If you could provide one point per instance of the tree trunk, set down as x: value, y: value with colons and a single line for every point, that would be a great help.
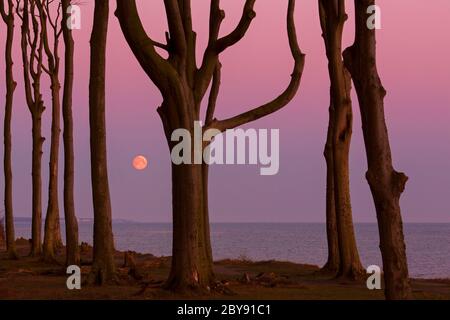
x: 385, y: 183
x: 52, y: 236
x: 191, y: 256
x: 7, y: 160
x: 333, y: 261
x: 103, y: 268
x: 192, y: 263
x: 72, y: 248
x: 333, y: 18
x: 38, y: 140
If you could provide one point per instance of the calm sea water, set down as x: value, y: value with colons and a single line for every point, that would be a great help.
x: 428, y: 245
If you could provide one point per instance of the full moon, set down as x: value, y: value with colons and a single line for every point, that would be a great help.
x: 140, y: 162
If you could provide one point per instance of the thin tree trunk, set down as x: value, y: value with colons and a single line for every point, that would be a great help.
x: 333, y: 17
x: 333, y: 261
x: 72, y: 248
x: 38, y: 140
x: 52, y: 236
x: 103, y: 268
x: 385, y: 183
x: 7, y: 159
x: 32, y: 47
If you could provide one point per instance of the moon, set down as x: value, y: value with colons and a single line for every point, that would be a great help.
x: 140, y: 162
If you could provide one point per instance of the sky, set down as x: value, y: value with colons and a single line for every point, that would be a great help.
x: 413, y: 51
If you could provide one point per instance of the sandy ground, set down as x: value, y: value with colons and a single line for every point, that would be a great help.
x: 29, y: 278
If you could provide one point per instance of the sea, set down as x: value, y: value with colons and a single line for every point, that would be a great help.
x: 428, y: 244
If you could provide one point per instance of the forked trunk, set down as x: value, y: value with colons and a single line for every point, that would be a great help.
x: 72, y: 248
x: 103, y: 267
x: 385, y: 183
x: 333, y: 18
x: 183, y: 86
x: 52, y: 236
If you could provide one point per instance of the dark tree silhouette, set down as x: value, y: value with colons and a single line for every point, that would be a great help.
x: 385, y: 183
x: 7, y: 15
x: 103, y: 268
x: 52, y: 236
x: 183, y: 86
x: 341, y: 235
x: 72, y: 248
x: 32, y: 54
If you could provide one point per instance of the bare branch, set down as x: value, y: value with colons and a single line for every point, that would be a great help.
x: 176, y: 28
x: 212, y: 101
x: 157, y: 68
x: 283, y: 99
x: 216, y: 46
x: 239, y: 32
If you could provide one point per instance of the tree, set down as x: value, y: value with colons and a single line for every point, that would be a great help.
x: 72, y: 248
x: 385, y: 183
x: 8, y: 18
x: 32, y: 54
x: 103, y: 268
x: 183, y: 86
x: 341, y: 235
x: 52, y: 236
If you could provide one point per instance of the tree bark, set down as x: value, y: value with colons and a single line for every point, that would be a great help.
x: 333, y: 17
x: 72, y: 248
x: 385, y: 183
x: 103, y: 268
x: 8, y: 18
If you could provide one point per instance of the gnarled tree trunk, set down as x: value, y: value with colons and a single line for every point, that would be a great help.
x: 8, y: 18
x: 32, y: 47
x: 385, y: 183
x: 103, y: 267
x: 72, y: 248
x: 332, y: 18
x: 52, y: 236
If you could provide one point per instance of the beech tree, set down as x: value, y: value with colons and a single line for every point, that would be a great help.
x: 72, y: 248
x: 343, y: 256
x: 103, y: 268
x: 32, y: 55
x: 183, y: 86
x: 7, y: 14
x: 52, y: 235
x: 385, y: 183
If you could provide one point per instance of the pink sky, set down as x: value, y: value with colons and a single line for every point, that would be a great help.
x: 413, y: 51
